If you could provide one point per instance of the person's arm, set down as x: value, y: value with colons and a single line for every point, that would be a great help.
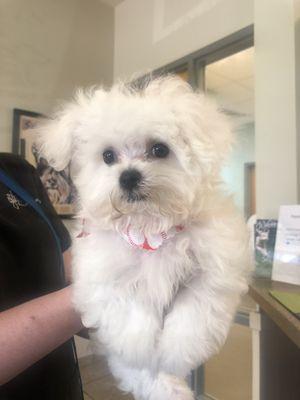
x: 31, y: 330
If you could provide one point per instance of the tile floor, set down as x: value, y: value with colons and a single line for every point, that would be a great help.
x: 98, y: 383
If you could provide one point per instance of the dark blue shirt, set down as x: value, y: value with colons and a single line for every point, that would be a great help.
x: 30, y: 267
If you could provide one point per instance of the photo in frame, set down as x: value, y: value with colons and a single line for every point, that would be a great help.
x: 58, y: 184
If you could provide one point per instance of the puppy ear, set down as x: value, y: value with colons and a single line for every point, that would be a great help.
x: 209, y: 132
x: 206, y: 137
x: 218, y: 130
x: 55, y: 137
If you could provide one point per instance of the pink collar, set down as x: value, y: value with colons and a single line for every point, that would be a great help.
x: 137, y: 238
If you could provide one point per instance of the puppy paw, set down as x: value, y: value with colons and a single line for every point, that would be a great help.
x: 169, y: 387
x: 181, y: 392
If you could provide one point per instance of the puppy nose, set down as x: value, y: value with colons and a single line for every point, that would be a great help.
x: 130, y: 178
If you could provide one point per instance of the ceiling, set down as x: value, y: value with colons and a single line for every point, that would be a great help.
x: 231, y: 82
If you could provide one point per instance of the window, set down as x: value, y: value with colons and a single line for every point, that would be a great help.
x: 225, y: 70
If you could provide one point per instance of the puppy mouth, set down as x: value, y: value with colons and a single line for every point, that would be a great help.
x: 133, y: 197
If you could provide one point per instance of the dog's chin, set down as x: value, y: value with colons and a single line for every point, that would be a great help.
x: 139, y: 209
x: 128, y: 203
x: 159, y: 209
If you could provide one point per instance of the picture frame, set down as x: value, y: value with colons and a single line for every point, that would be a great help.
x: 58, y: 184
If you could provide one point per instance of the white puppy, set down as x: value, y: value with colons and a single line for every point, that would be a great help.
x: 162, y: 259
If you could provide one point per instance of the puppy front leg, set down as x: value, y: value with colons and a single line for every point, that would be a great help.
x: 138, y: 332
x: 196, y: 326
x: 129, y: 330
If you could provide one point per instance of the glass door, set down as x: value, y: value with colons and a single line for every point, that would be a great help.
x: 230, y: 80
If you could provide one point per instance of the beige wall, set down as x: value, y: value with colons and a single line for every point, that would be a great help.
x: 277, y: 156
x: 47, y: 48
x: 152, y: 33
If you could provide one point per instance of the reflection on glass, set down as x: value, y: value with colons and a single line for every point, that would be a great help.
x: 231, y: 82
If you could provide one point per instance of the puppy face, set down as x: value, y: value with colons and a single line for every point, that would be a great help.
x: 141, y: 156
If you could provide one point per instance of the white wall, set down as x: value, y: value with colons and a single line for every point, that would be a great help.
x: 277, y: 158
x: 152, y: 33
x: 48, y: 48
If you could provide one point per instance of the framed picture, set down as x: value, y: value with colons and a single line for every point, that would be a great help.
x: 58, y: 184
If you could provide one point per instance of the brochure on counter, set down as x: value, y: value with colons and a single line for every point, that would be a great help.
x: 264, y: 239
x: 286, y: 264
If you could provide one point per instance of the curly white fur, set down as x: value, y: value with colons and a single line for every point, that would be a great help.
x: 159, y: 314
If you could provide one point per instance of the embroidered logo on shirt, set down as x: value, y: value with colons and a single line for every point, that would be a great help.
x: 16, y: 203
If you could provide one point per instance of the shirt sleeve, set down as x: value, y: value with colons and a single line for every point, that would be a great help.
x: 6, y: 266
x: 59, y: 227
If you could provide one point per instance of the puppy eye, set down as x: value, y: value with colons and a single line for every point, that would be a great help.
x: 109, y: 157
x: 160, y: 150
